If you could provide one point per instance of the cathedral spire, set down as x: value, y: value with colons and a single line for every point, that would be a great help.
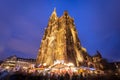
x: 53, y: 15
x: 61, y: 42
x: 54, y: 10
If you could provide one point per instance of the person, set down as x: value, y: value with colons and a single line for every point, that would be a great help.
x: 61, y: 77
x: 73, y: 76
x: 80, y: 76
x: 53, y: 76
x: 67, y: 76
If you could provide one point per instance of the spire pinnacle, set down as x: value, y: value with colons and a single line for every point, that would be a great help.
x: 54, y: 9
x: 54, y: 14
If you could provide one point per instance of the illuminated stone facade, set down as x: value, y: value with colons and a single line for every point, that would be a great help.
x: 14, y: 61
x: 61, y: 42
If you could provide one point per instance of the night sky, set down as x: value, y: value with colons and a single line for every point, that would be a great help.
x: 22, y: 24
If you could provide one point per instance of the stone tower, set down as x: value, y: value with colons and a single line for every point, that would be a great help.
x: 60, y: 42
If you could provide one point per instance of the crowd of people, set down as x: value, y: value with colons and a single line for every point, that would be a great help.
x: 55, y: 76
x: 22, y: 74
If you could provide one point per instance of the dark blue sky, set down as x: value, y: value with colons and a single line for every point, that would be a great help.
x: 22, y: 24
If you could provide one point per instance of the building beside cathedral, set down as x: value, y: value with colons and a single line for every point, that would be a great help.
x: 14, y: 62
x: 60, y: 42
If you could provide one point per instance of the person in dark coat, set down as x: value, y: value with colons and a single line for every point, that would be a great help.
x: 67, y: 76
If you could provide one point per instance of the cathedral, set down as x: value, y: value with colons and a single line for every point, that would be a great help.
x: 60, y: 42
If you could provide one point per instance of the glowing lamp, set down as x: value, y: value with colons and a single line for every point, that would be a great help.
x: 44, y: 64
x: 7, y: 67
x: 70, y: 64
